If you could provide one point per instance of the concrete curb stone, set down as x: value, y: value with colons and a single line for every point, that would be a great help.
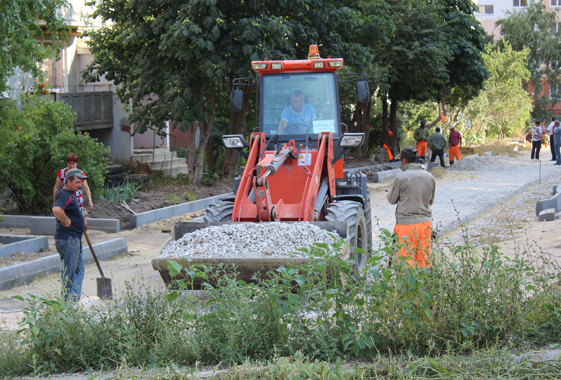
x: 22, y: 243
x: 383, y: 176
x: 547, y: 215
x: 152, y: 216
x: 553, y: 202
x: 21, y: 274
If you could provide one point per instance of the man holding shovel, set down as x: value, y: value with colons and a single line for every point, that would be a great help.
x: 70, y: 225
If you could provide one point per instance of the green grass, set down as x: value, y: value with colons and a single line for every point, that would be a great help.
x: 405, y: 321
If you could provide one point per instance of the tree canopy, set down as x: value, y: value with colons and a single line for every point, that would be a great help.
x: 536, y: 28
x: 24, y: 27
x: 170, y: 57
x: 503, y: 107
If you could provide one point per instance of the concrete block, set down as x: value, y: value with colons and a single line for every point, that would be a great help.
x: 490, y: 153
x: 107, y: 225
x: 25, y: 244
x: 547, y: 215
x: 10, y: 221
x: 546, y: 204
x: 24, y: 221
x: 43, y: 225
x: 432, y: 165
x: 386, y: 175
x: 113, y: 248
x: 7, y: 278
x: 470, y: 157
x: 555, y: 187
x: 152, y: 216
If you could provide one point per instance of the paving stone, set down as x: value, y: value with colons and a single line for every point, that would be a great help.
x: 385, y: 175
x: 547, y: 215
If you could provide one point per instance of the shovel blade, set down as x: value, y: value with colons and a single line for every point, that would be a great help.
x: 104, y: 288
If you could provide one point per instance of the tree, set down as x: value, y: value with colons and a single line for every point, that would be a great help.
x: 171, y: 57
x: 435, y: 55
x: 412, y: 65
x: 503, y: 107
x: 535, y: 27
x: 24, y: 27
x: 35, y: 142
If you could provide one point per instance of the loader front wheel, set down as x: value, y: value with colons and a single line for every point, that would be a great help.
x: 219, y: 212
x: 352, y: 213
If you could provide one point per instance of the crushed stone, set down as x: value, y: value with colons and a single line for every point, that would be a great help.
x: 248, y: 240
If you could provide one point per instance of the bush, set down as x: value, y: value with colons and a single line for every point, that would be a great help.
x: 35, y: 142
x: 322, y: 310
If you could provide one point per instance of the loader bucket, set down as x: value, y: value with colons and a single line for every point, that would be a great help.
x: 247, y: 267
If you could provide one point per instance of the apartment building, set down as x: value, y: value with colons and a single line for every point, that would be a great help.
x: 490, y: 11
x: 98, y: 110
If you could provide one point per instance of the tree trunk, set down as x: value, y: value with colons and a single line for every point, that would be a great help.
x: 393, y: 125
x: 237, y: 125
x: 192, y: 150
x: 209, y: 156
x: 205, y: 132
x: 385, y: 136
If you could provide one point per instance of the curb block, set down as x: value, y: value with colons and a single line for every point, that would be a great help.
x: 22, y: 243
x: 547, y: 215
x: 351, y: 170
x: 553, y: 202
x: 383, y: 176
x: 432, y: 165
x: 152, y: 216
x: 21, y: 274
x: 46, y: 225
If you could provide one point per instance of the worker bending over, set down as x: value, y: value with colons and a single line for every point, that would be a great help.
x: 413, y: 192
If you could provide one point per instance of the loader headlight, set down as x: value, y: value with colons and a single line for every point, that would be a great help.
x: 234, y: 141
x: 319, y: 65
x: 259, y: 66
x: 276, y: 66
x: 335, y: 63
x: 351, y: 140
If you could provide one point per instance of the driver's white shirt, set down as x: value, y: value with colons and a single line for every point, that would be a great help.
x: 305, y: 117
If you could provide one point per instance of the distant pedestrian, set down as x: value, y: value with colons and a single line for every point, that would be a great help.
x: 455, y: 141
x: 413, y: 192
x: 557, y: 138
x: 72, y: 162
x: 551, y: 134
x: 537, y: 132
x: 421, y: 135
x: 437, y: 143
x: 70, y: 225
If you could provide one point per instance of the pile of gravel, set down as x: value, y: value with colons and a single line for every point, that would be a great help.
x: 248, y: 240
x: 483, y: 162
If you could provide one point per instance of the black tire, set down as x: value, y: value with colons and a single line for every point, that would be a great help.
x: 368, y: 217
x: 219, y: 212
x: 352, y: 213
x: 117, y: 177
x: 115, y: 169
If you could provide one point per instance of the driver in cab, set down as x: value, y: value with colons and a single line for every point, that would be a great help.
x: 297, y: 118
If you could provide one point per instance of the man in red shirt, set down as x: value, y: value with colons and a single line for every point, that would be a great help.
x: 455, y: 143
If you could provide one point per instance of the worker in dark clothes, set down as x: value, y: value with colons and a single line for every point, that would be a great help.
x: 70, y: 225
x: 437, y: 143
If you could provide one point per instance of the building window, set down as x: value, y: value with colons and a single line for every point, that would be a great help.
x: 489, y: 9
x: 520, y: 3
x: 556, y: 3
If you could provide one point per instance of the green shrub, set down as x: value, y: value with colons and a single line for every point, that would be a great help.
x: 124, y: 192
x: 322, y: 310
x: 35, y: 142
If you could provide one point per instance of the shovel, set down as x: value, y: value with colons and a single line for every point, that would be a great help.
x: 104, y: 289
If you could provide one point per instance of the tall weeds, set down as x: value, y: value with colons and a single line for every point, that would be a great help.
x: 323, y: 310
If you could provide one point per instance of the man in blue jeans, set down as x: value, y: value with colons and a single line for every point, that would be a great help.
x: 70, y: 225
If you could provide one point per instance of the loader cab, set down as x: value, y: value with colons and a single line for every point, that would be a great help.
x: 298, y: 106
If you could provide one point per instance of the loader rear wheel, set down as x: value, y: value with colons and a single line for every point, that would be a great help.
x: 352, y: 213
x: 219, y: 212
x: 368, y: 217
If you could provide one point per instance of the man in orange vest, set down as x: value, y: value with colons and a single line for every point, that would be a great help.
x: 413, y: 192
x: 421, y: 135
x: 455, y: 142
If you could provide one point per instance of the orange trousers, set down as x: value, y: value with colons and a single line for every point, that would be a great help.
x: 416, y: 240
x: 421, y: 149
x: 454, y: 153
